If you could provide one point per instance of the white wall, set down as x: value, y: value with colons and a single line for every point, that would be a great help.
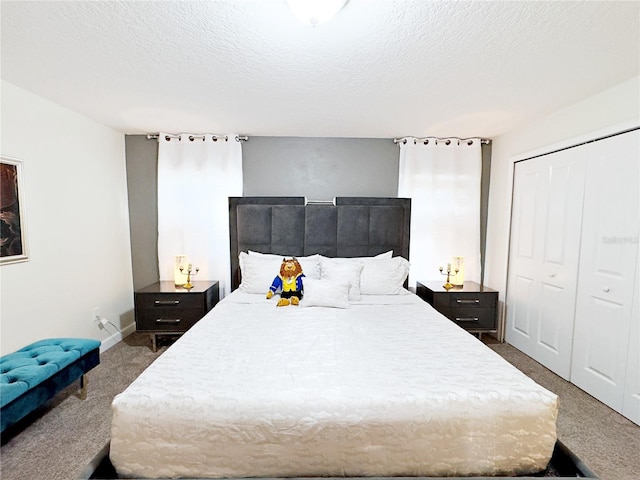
x: 76, y: 221
x: 607, y: 112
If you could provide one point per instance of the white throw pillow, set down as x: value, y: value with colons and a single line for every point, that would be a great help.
x: 325, y: 293
x: 342, y: 270
x: 383, y: 276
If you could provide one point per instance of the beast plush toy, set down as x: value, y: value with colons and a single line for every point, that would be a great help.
x: 288, y: 283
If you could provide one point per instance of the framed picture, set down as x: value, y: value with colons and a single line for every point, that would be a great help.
x: 13, y: 244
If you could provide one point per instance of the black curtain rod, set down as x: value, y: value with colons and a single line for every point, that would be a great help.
x: 447, y: 140
x: 215, y: 138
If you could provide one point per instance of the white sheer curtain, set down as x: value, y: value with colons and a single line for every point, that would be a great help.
x: 442, y: 178
x: 196, y: 175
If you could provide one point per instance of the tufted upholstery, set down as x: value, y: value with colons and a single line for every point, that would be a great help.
x: 354, y: 227
x: 35, y: 373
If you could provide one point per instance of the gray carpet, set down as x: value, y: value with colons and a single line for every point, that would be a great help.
x: 64, y: 436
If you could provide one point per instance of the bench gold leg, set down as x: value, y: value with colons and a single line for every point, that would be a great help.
x: 84, y: 381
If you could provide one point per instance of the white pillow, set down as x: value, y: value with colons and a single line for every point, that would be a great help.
x: 325, y: 293
x: 342, y: 270
x: 257, y: 272
x: 384, y: 276
x: 310, y: 264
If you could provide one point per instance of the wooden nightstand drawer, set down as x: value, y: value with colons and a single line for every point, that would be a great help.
x: 170, y: 300
x: 472, y: 299
x: 168, y: 319
x: 472, y: 318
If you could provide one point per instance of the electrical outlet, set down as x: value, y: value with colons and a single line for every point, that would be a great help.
x: 95, y: 316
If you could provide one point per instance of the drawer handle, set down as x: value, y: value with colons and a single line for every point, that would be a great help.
x: 168, y: 320
x: 467, y: 319
x: 464, y: 301
x: 164, y: 303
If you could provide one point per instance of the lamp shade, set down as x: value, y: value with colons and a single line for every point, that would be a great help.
x: 179, y: 278
x: 458, y: 278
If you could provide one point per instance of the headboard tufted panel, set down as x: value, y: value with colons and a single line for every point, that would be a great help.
x: 354, y: 227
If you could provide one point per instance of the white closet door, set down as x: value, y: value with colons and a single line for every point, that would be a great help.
x: 543, y: 257
x: 608, y: 259
x: 631, y: 404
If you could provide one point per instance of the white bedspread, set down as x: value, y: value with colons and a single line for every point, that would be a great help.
x: 388, y: 387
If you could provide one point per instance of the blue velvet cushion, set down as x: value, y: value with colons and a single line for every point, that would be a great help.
x: 28, y: 367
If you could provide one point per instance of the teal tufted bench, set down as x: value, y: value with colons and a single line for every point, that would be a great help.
x: 35, y: 373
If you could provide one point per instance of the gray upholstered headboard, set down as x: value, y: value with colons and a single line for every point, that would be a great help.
x: 353, y: 227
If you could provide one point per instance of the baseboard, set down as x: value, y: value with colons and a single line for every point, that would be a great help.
x: 117, y: 337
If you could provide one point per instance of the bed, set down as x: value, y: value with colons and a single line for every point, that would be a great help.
x: 359, y: 380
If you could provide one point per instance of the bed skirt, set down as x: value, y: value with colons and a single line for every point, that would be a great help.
x: 563, y: 464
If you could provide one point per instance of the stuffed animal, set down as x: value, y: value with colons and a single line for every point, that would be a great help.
x: 288, y: 283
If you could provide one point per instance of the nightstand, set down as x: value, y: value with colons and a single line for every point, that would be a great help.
x: 163, y: 308
x: 472, y: 307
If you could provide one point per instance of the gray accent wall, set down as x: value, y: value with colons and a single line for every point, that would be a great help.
x: 320, y: 168
x: 484, y: 205
x: 316, y: 168
x: 142, y: 186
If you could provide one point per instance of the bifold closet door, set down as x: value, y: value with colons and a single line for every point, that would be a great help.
x: 543, y: 257
x: 608, y: 263
x: 631, y: 403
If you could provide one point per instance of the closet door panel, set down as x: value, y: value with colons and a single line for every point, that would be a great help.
x: 558, y: 270
x: 523, y: 309
x: 631, y: 403
x: 606, y: 282
x: 546, y: 219
x: 551, y: 309
x: 560, y: 179
x: 528, y: 210
x: 530, y: 204
x: 565, y: 184
x: 597, y: 355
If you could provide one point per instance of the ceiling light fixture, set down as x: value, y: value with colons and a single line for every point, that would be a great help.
x: 315, y: 12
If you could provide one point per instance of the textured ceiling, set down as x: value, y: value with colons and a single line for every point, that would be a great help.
x: 380, y: 68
